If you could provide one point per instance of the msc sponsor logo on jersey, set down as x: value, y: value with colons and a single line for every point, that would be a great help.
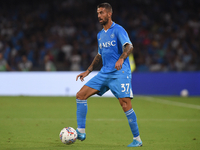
x: 107, y: 44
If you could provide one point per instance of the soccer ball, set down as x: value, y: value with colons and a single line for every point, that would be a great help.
x: 184, y: 93
x: 68, y: 135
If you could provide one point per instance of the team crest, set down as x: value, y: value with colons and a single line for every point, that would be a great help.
x: 112, y: 35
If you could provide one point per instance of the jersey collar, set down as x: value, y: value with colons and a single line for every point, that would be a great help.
x: 110, y: 26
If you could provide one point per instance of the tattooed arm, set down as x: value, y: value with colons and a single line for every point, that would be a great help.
x: 128, y: 49
x: 95, y: 63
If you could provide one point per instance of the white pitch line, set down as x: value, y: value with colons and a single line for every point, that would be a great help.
x: 98, y: 119
x: 168, y: 120
x: 163, y: 101
x: 171, y: 120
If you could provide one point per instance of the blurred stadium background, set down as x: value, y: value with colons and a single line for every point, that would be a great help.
x: 61, y: 36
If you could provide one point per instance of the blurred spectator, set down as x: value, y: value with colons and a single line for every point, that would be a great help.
x: 25, y: 64
x: 75, y: 61
x: 3, y: 64
x: 179, y: 64
x: 49, y: 65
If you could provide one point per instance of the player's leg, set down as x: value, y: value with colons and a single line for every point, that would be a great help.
x: 81, y: 101
x: 122, y: 89
x: 85, y: 92
x: 132, y: 120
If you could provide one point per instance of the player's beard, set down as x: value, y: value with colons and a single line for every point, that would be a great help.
x: 104, y: 22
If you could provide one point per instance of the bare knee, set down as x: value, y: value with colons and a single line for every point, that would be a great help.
x: 126, y: 104
x: 85, y: 92
x: 81, y: 95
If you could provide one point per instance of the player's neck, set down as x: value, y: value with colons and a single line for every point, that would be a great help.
x: 108, y: 25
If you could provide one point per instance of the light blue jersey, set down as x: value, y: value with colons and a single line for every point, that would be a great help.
x: 110, y: 47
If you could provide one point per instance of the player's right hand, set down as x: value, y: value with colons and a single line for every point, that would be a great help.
x: 119, y: 63
x: 82, y: 75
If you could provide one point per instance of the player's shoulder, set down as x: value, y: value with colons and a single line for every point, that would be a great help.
x: 117, y: 26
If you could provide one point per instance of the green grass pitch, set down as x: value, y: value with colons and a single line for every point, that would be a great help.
x: 34, y: 123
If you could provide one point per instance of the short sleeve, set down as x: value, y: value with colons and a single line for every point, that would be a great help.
x: 123, y: 36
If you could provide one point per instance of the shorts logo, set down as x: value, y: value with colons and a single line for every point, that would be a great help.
x: 112, y: 35
x: 127, y: 92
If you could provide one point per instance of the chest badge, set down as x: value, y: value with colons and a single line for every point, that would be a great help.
x: 112, y: 35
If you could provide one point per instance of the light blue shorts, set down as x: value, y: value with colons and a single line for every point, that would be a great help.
x: 120, y: 87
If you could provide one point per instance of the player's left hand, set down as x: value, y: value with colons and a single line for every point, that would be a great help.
x: 119, y: 63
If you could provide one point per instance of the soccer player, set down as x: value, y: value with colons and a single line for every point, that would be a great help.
x: 114, y: 47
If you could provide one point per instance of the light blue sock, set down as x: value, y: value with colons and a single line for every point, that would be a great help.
x: 132, y: 120
x: 81, y: 112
